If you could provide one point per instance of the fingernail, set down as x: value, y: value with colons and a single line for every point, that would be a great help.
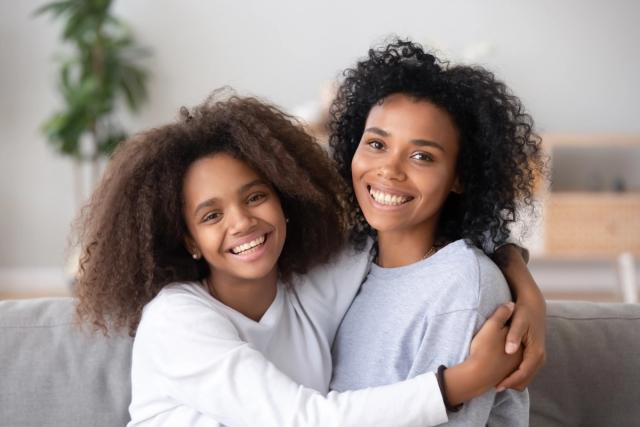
x: 499, y: 389
x: 511, y: 348
x: 510, y: 304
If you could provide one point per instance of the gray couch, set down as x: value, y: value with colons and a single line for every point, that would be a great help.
x: 53, y: 374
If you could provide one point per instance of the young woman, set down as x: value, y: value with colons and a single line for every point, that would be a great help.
x: 438, y: 158
x: 233, y: 277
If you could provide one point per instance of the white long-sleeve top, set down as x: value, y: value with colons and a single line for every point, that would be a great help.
x: 197, y: 362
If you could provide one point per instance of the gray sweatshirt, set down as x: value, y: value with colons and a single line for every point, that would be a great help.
x: 409, y: 320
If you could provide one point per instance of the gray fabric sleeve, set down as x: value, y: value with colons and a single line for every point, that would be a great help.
x: 452, y: 333
x: 510, y: 409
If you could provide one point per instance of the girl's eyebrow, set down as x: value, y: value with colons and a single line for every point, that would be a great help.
x: 253, y: 183
x: 212, y: 201
x: 418, y: 142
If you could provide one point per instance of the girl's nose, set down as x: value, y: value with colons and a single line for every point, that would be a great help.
x: 241, y: 221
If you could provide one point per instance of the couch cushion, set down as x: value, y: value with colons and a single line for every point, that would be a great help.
x: 52, y: 373
x: 592, y: 374
x: 55, y: 374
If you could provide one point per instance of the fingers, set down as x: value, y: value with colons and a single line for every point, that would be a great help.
x: 517, y: 331
x: 520, y: 378
x: 502, y: 315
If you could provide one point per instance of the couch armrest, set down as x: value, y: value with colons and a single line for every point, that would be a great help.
x: 592, y: 373
x: 55, y: 374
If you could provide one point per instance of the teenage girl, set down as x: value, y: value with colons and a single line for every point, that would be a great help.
x: 439, y: 157
x: 217, y: 241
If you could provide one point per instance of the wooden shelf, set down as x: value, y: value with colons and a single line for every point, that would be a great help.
x: 590, y: 140
x: 591, y: 224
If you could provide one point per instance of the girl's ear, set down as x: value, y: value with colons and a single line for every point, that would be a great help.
x: 457, y: 186
x: 192, y: 247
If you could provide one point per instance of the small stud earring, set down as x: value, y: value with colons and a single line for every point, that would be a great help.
x: 286, y: 220
x: 196, y: 256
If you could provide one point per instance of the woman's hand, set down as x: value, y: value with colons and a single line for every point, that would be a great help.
x: 528, y: 328
x: 487, y: 363
x: 528, y: 323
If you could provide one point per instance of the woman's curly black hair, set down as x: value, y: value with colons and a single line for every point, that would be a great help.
x: 132, y: 233
x: 500, y: 155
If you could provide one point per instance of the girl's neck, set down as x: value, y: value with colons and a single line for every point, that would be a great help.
x: 251, y: 297
x: 397, y: 249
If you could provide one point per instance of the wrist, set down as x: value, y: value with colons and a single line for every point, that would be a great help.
x: 532, y: 297
x: 464, y: 382
x: 443, y: 390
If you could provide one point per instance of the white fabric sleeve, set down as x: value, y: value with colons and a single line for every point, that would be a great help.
x: 201, y: 362
x: 326, y: 292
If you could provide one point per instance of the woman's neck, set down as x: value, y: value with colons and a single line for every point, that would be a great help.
x: 396, y: 249
x: 251, y: 297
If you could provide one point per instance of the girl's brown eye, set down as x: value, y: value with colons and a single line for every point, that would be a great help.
x: 213, y: 216
x: 255, y: 198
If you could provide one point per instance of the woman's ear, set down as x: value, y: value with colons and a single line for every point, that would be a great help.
x: 457, y: 186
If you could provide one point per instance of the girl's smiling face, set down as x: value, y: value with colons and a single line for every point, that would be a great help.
x: 405, y: 165
x: 234, y: 218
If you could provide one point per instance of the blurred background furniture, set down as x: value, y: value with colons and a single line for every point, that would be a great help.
x: 54, y: 374
x: 589, y: 233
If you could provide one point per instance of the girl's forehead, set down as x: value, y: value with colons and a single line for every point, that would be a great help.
x: 220, y: 174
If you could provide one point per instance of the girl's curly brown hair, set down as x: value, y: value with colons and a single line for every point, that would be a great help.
x: 132, y: 232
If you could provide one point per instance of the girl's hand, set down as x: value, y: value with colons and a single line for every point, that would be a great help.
x: 487, y: 363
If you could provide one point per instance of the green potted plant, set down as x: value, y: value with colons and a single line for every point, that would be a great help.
x: 101, y: 74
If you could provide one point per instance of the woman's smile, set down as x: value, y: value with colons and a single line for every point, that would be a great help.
x: 386, y: 198
x: 405, y: 165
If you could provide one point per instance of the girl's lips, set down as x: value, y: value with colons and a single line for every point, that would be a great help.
x: 250, y: 238
x: 253, y: 253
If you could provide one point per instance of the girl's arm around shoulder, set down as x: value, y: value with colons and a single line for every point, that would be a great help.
x: 327, y: 290
x: 200, y: 361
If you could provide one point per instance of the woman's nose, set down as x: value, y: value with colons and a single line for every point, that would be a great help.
x: 391, y: 169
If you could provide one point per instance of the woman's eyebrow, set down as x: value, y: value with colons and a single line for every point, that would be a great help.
x: 419, y: 142
x: 377, y: 131
x: 427, y: 143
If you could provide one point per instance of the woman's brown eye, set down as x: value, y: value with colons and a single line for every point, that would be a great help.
x: 376, y: 145
x: 423, y: 156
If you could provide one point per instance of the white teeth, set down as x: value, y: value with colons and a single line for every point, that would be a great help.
x: 249, y: 245
x: 387, y: 199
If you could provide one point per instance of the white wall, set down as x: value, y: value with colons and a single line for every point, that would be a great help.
x: 574, y: 63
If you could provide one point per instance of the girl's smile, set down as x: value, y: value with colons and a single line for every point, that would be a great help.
x: 235, y: 220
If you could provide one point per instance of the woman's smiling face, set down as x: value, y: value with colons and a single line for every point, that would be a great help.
x: 234, y: 218
x: 405, y: 164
